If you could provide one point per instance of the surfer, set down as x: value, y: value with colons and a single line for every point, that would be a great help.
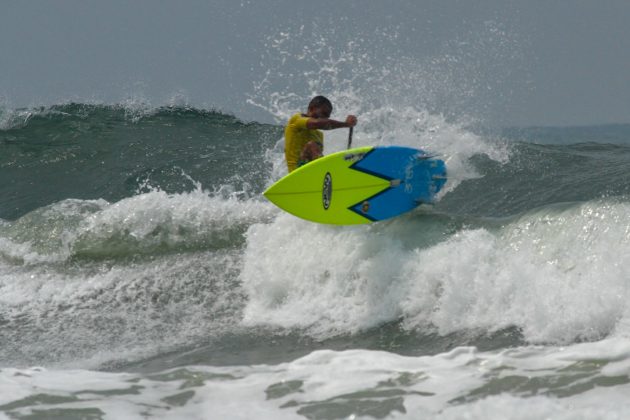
x: 303, y: 141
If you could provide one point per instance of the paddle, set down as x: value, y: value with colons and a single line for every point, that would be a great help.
x: 350, y: 137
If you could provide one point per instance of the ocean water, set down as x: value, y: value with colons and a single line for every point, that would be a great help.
x: 142, y: 274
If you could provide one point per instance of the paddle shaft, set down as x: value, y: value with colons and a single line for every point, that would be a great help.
x: 350, y: 137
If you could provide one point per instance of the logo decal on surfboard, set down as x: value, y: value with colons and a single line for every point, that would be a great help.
x: 327, y: 191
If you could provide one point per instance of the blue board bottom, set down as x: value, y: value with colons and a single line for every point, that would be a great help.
x: 415, y: 179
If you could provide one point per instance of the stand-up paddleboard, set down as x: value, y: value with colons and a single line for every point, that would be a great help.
x: 361, y: 185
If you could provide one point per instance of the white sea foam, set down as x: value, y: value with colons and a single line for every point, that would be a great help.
x: 138, y: 224
x: 68, y: 274
x: 558, y: 274
x: 96, y: 314
x: 523, y: 383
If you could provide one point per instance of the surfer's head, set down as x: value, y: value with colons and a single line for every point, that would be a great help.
x: 320, y: 107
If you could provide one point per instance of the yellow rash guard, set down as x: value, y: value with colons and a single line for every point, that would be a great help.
x: 296, y: 135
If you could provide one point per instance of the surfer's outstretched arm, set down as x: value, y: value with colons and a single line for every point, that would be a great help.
x: 328, y: 124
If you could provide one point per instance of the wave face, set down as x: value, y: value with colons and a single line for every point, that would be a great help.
x: 112, y: 152
x: 136, y: 239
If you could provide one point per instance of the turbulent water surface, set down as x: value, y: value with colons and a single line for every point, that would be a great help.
x: 142, y: 274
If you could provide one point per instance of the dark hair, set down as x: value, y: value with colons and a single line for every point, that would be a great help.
x: 320, y: 101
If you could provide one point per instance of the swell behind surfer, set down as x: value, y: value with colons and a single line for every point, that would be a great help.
x: 303, y: 140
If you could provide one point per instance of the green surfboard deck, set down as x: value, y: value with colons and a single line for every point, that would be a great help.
x: 324, y: 190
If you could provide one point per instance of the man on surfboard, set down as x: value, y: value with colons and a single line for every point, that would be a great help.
x: 303, y: 140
